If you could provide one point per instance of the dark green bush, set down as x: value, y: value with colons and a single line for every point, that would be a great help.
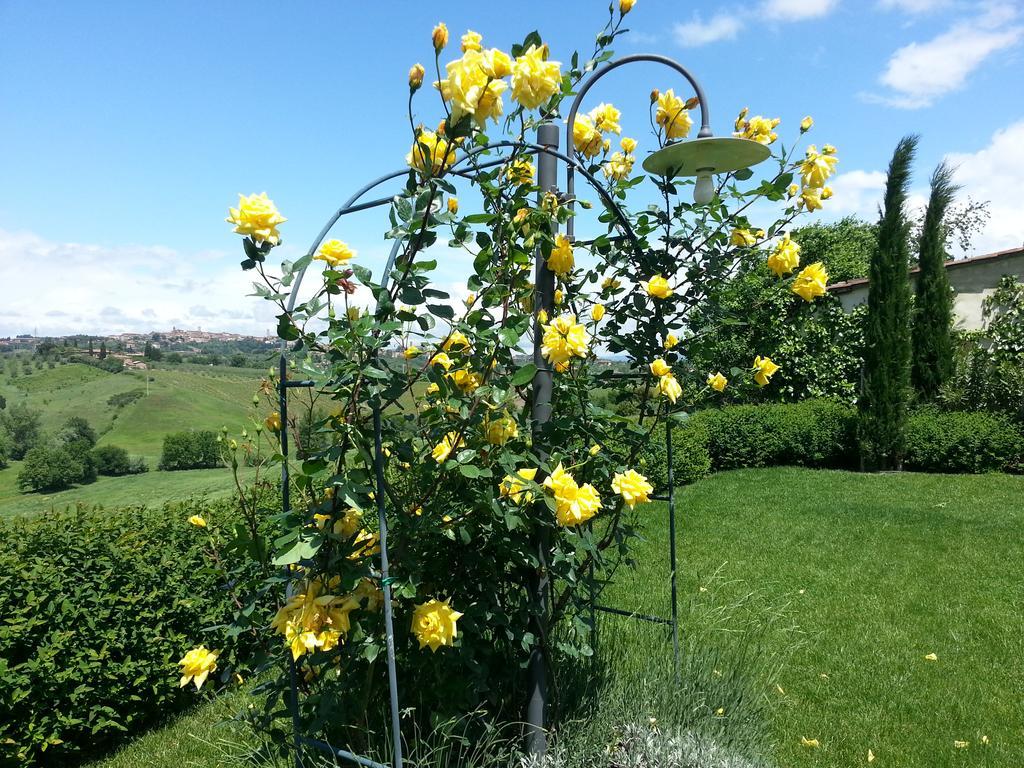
x: 5, y: 448
x: 122, y: 399
x: 114, y: 461
x: 813, y: 433
x: 190, y: 450
x: 98, y: 606
x: 963, y: 442
x: 690, y: 458
x: 23, y: 427
x: 49, y: 468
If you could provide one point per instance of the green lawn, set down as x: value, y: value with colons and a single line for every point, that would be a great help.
x: 873, y: 573
x: 151, y: 489
x: 849, y: 581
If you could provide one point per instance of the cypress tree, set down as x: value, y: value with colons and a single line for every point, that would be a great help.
x: 886, y: 381
x: 933, y: 308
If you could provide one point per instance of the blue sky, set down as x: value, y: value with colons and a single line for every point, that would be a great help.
x: 126, y: 128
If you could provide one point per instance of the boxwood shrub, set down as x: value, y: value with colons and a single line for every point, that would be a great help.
x: 958, y: 442
x: 97, y: 608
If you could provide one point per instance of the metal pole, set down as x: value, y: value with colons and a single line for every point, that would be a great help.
x: 544, y: 299
x: 282, y: 407
x: 672, y: 545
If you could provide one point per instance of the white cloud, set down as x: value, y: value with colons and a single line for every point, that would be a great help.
x: 797, y: 10
x: 61, y: 288
x: 994, y: 173
x: 919, y: 73
x: 991, y: 174
x: 721, y: 26
x: 856, y: 193
x: 913, y: 6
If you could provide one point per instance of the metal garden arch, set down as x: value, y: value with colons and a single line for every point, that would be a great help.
x: 699, y: 157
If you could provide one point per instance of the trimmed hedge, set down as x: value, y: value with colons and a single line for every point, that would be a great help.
x: 98, y: 606
x: 959, y: 442
x: 812, y: 433
x: 823, y: 434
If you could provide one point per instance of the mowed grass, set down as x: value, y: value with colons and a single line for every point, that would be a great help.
x: 872, y: 573
x: 848, y: 581
x: 150, y: 489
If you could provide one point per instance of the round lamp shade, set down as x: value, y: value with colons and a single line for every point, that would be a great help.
x: 709, y: 155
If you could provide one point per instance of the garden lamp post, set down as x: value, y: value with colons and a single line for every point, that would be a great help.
x: 701, y: 157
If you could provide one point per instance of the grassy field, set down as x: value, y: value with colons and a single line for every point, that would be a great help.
x: 151, y: 489
x: 178, y: 399
x: 849, y: 581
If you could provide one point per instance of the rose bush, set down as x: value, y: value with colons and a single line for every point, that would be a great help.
x: 482, y: 499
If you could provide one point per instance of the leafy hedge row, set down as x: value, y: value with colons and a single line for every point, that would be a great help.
x: 823, y: 434
x: 97, y: 608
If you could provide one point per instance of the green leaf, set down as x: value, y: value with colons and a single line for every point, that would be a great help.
x: 524, y: 375
x: 303, y: 549
x: 441, y: 310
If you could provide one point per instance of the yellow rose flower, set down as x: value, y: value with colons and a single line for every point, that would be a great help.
x: 273, y: 422
x: 625, y: 6
x: 431, y: 154
x: 763, y: 370
x: 456, y: 341
x: 500, y: 431
x: 314, y: 620
x: 349, y: 524
x: 785, y: 257
x: 256, y: 217
x: 535, y: 80
x: 811, y: 282
x: 717, y: 381
x: 826, y: 193
x: 669, y: 387
x: 471, y: 90
x: 453, y: 205
x: 741, y: 119
x: 742, y: 238
x: 564, y: 339
x: 595, y: 449
x: 817, y: 167
x: 443, y: 360
x: 659, y: 367
x: 439, y: 36
x: 410, y: 352
x: 633, y: 487
x: 606, y: 118
x: 658, y: 287
x: 197, y: 665
x: 670, y: 341
x: 521, y: 172
x: 334, y: 253
x: 561, y: 261
x: 792, y: 190
x: 515, y: 489
x: 672, y: 115
x: 628, y: 145
x: 810, y: 198
x: 574, y: 504
x: 416, y: 73
x: 466, y: 381
x: 496, y: 63
x: 597, y: 312
x: 443, y: 450
x: 618, y: 167
x: 198, y: 521
x: 471, y: 41
x: 434, y: 624
x: 585, y: 137
x: 759, y: 129
x: 828, y: 149
x: 610, y: 284
x: 806, y: 123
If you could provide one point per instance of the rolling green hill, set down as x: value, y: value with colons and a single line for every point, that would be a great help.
x: 172, y: 400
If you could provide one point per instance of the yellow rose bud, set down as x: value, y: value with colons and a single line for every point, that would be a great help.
x: 352, y: 313
x: 659, y: 367
x: 439, y: 37
x: 628, y: 145
x: 198, y: 521
x: 625, y: 6
x: 597, y: 312
x: 416, y: 73
x: 655, y: 93
x: 793, y: 190
x: 559, y: 297
x: 717, y: 381
x: 806, y: 123
x: 273, y: 422
x: 542, y: 317
x: 471, y: 41
x: 826, y: 193
x: 410, y: 352
x: 453, y: 205
x: 670, y: 341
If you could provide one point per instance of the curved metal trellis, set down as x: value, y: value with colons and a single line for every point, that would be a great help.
x: 546, y: 146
